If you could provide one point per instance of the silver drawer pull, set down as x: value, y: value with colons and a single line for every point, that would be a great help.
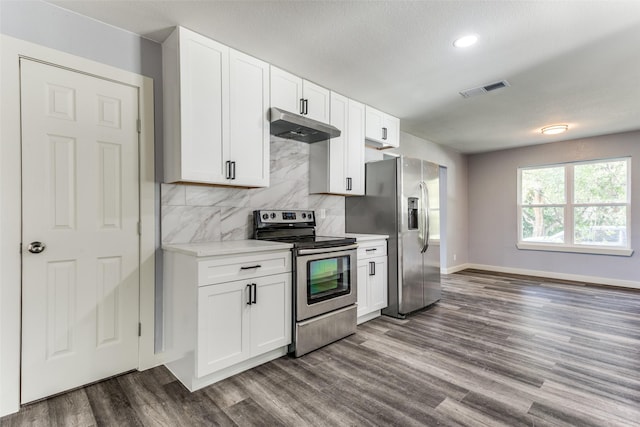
x: 371, y: 250
x: 251, y: 267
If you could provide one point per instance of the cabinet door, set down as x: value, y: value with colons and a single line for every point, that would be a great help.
x: 377, y: 284
x: 271, y: 313
x: 318, y: 101
x: 338, y: 150
x: 204, y: 107
x: 363, y: 293
x: 223, y: 326
x: 286, y: 90
x: 355, y: 147
x: 392, y: 126
x: 249, y: 128
x: 373, y: 124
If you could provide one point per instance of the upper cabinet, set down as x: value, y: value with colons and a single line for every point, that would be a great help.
x: 382, y: 130
x: 216, y: 103
x: 337, y: 165
x: 296, y: 95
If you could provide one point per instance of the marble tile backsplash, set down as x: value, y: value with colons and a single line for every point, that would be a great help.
x: 197, y: 213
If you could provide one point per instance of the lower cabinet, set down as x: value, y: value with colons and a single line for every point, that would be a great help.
x: 372, y: 279
x: 241, y: 319
x: 224, y: 313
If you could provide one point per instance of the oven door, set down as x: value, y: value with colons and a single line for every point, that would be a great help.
x: 325, y: 280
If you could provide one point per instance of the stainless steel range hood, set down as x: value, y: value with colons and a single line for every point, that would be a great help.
x: 285, y: 124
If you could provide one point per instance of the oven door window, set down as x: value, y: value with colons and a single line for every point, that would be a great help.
x: 328, y: 278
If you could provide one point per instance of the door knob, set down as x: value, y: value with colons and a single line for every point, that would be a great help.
x: 36, y: 247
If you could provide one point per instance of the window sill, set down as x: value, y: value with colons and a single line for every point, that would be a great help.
x: 595, y: 250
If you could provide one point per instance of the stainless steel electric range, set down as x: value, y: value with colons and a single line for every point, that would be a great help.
x: 324, y: 277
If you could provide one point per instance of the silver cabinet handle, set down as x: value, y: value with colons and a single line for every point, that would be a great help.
x: 255, y: 293
x: 36, y: 247
x: 228, y: 169
x: 301, y: 105
x: 233, y: 170
x: 306, y: 107
x: 249, y: 288
x: 384, y: 133
x: 372, y: 268
x: 371, y: 250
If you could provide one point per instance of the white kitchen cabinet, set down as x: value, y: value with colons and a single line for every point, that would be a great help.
x: 223, y: 321
x: 215, y: 113
x: 382, y: 129
x: 232, y: 328
x: 337, y: 165
x: 296, y: 95
x: 372, y: 276
x: 225, y: 310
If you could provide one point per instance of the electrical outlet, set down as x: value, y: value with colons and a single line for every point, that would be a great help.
x: 455, y: 257
x: 322, y: 213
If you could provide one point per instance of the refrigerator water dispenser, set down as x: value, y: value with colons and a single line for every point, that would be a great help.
x: 413, y: 213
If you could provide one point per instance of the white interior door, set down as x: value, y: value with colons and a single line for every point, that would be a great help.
x: 80, y: 200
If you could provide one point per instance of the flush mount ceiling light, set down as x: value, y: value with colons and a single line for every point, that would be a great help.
x: 553, y: 130
x: 466, y: 41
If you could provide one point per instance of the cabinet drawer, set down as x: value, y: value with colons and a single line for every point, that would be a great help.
x: 227, y: 268
x: 372, y: 249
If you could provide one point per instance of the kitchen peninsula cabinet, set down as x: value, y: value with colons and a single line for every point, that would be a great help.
x: 382, y: 129
x: 296, y: 95
x: 228, y: 308
x: 337, y: 165
x: 372, y: 275
x: 216, y: 102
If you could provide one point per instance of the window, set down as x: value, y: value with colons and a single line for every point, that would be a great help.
x: 576, y: 207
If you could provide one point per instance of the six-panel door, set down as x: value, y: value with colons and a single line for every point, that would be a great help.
x: 80, y: 201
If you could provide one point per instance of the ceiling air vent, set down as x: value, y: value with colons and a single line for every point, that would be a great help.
x: 468, y: 93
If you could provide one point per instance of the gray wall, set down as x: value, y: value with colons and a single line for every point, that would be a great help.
x: 51, y: 26
x: 456, y: 238
x: 492, y: 208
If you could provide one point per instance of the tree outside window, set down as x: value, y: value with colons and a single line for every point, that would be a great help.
x: 575, y: 204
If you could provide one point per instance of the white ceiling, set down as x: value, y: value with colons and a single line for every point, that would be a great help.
x: 574, y: 62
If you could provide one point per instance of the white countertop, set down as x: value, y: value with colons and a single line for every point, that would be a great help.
x: 228, y: 247
x: 367, y: 237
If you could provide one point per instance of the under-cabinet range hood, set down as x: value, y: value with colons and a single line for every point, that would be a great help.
x: 285, y: 124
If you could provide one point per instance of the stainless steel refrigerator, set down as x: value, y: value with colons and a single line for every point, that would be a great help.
x: 402, y: 200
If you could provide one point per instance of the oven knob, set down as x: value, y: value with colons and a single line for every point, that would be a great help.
x: 273, y: 215
x: 304, y: 215
x: 265, y: 216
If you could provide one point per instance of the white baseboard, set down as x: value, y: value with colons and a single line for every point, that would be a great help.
x: 554, y: 275
x: 455, y: 268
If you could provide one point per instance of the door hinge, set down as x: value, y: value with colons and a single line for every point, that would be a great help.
x: 139, y: 125
x: 139, y: 229
x: 139, y: 329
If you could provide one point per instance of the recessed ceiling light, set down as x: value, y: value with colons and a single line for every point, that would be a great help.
x: 466, y: 41
x: 555, y: 129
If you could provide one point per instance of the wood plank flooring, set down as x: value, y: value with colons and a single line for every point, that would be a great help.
x: 497, y: 350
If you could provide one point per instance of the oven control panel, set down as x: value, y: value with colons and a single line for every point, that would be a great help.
x: 284, y: 217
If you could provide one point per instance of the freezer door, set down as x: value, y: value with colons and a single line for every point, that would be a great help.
x: 410, y: 290
x: 431, y: 258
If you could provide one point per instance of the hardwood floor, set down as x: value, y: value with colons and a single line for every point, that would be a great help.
x: 497, y: 350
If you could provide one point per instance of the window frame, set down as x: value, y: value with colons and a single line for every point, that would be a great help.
x: 569, y: 207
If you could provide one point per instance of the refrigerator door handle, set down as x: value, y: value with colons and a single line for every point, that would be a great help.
x: 424, y: 230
